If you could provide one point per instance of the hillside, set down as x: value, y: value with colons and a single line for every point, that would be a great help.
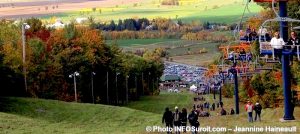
x: 24, y: 115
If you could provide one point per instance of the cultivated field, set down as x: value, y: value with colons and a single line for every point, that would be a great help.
x: 105, y: 10
x: 38, y: 8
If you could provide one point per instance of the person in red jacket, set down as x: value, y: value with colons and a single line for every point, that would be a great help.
x: 249, y: 108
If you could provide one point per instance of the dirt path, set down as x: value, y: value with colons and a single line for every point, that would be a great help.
x: 36, y: 9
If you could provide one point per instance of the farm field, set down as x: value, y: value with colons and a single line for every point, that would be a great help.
x: 178, y: 49
x: 24, y: 115
x: 228, y: 11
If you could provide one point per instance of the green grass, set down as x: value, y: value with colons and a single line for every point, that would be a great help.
x: 228, y: 11
x: 28, y: 115
x: 24, y: 115
x: 270, y: 117
x: 196, y: 59
x: 157, y: 104
x: 139, y: 42
x: 177, y: 48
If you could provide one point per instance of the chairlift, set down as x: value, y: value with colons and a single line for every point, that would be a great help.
x: 264, y: 46
x: 231, y: 52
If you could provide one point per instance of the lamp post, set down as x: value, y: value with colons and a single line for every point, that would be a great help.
x: 117, y: 94
x: 127, y: 89
x: 25, y: 26
x: 142, y: 83
x: 107, y: 96
x: 149, y: 80
x: 92, y: 85
x: 74, y: 76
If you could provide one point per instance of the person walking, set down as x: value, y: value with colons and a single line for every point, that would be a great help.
x: 176, y: 116
x: 249, y: 108
x: 193, y: 120
x: 257, y: 109
x: 183, y: 119
x: 168, y: 118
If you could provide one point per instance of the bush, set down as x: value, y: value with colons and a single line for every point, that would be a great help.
x: 228, y: 90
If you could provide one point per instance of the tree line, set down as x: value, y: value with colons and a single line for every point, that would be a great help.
x: 52, y: 55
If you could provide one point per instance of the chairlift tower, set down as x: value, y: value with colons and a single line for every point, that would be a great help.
x: 283, y: 19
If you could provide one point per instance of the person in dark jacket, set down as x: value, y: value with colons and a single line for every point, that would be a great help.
x: 213, y: 106
x: 176, y: 116
x: 221, y: 104
x: 193, y: 120
x: 257, y: 109
x: 223, y: 112
x: 168, y: 118
x: 232, y: 111
x: 293, y: 42
x: 183, y: 118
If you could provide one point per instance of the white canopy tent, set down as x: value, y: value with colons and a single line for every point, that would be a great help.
x: 193, y: 88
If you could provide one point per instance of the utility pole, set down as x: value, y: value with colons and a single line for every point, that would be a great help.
x: 24, y: 27
x: 127, y: 89
x: 107, y: 96
x: 74, y: 78
x: 92, y: 85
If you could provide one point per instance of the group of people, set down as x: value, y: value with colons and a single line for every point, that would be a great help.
x: 249, y: 35
x: 249, y: 107
x: 178, y: 118
x: 243, y: 56
x: 278, y: 44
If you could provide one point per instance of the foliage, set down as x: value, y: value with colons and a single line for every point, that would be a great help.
x: 228, y: 90
x: 51, y: 56
x: 267, y: 88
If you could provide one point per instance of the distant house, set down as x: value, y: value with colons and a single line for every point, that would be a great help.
x: 150, y: 27
x: 81, y: 20
x: 170, y: 78
x: 57, y: 24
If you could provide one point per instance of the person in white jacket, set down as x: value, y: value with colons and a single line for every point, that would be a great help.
x: 277, y: 43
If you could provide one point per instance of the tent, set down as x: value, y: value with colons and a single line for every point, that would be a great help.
x: 193, y: 88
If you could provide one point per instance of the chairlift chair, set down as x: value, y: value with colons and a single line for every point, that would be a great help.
x: 265, y: 47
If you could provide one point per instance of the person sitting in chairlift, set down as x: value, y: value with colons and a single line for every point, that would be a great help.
x: 252, y: 35
x: 242, y: 55
x: 294, y: 40
x: 263, y: 33
x: 248, y: 56
x: 231, y: 56
x: 277, y: 44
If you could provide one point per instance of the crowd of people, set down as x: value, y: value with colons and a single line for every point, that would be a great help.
x: 180, y: 118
